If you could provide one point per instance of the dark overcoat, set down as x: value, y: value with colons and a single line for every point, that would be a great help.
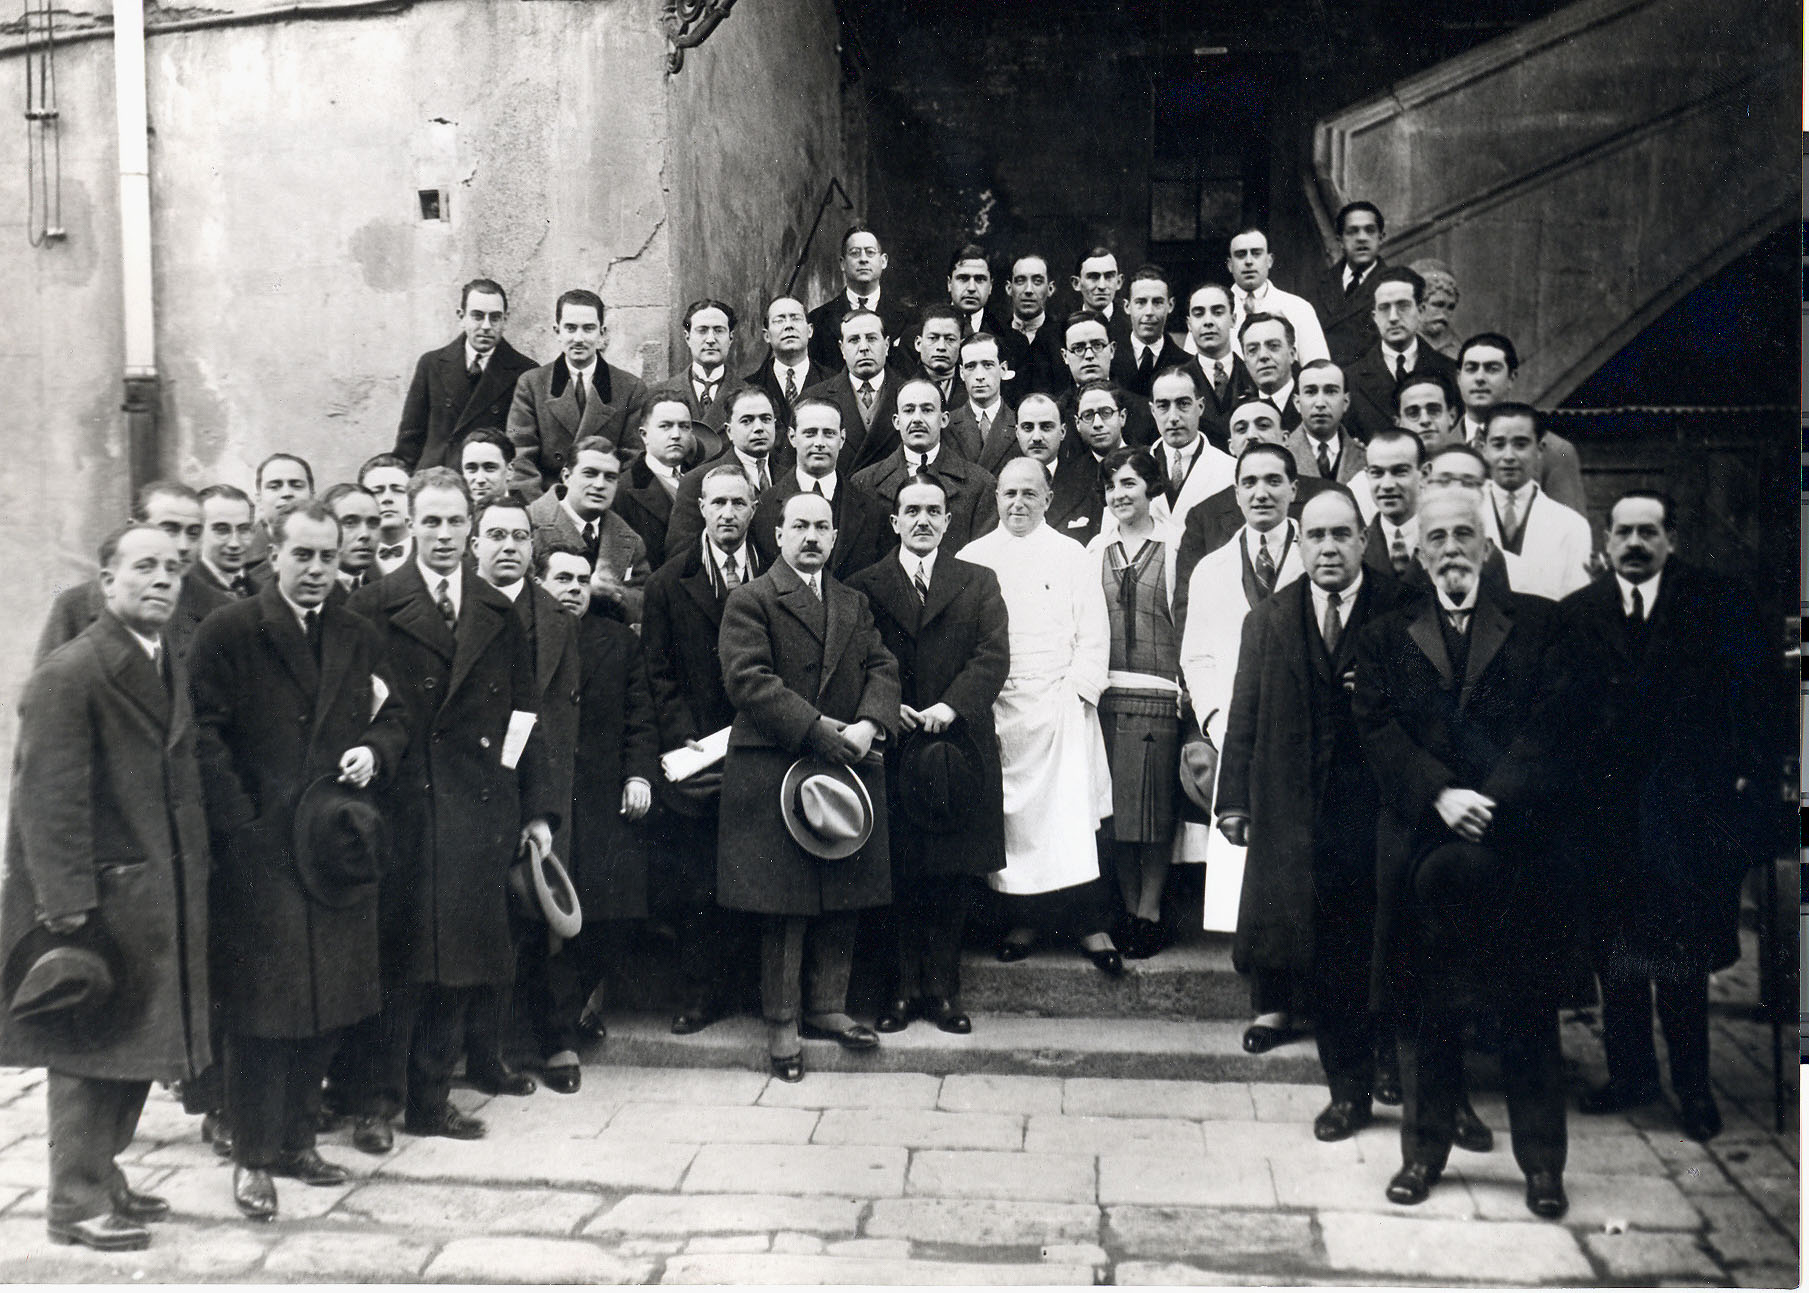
x: 1294, y: 765
x: 973, y: 507
x: 616, y: 739
x: 455, y: 812
x: 1664, y: 834
x: 443, y: 405
x: 1506, y: 728
x: 79, y: 605
x: 107, y: 818
x: 952, y: 648
x: 269, y: 722
x: 545, y: 419
x: 553, y: 632
x: 862, y: 528
x: 787, y: 659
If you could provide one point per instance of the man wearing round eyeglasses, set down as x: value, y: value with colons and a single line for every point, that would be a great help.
x: 1078, y: 506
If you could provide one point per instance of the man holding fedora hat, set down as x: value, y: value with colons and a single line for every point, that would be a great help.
x: 803, y: 837
x: 944, y: 621
x: 298, y: 844
x: 103, y: 905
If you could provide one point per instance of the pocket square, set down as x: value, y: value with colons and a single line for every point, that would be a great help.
x: 1077, y: 523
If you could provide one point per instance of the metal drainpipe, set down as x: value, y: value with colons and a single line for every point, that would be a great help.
x: 139, y: 318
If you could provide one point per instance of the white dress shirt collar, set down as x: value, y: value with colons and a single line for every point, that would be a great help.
x: 577, y: 520
x: 1346, y: 599
x: 754, y: 467
x: 1466, y: 606
x: 582, y: 374
x: 808, y: 484
x: 152, y: 646
x: 813, y: 581
x: 854, y: 299
x: 300, y: 612
x: 472, y: 357
x: 1648, y: 593
x: 512, y: 591
x: 1029, y: 327
x: 1274, y: 540
x: 455, y: 585
x: 800, y: 372
x: 721, y: 558
x: 1281, y: 397
x: 1390, y: 357
x: 912, y: 563
x: 1523, y: 497
x: 660, y: 470
x: 1409, y: 531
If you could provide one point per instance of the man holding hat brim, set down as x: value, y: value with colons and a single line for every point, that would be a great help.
x: 944, y: 620
x: 298, y: 851
x: 806, y: 848
x: 107, y: 844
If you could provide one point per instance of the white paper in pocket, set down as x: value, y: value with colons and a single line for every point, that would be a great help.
x: 515, y: 740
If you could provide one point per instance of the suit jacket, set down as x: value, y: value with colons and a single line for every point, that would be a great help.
x: 619, y: 549
x: 862, y: 529
x: 1555, y: 545
x: 1211, y: 633
x: 896, y: 314
x: 952, y: 648
x: 1506, y: 728
x: 991, y: 447
x: 1348, y: 320
x: 642, y: 501
x: 107, y: 819
x: 271, y: 720
x: 79, y: 605
x: 1036, y: 366
x: 1215, y: 422
x: 684, y: 527
x: 553, y: 634
x: 1306, y: 454
x: 442, y: 404
x: 1665, y: 837
x: 863, y: 445
x: 455, y: 812
x: 1124, y: 365
x: 1210, y: 525
x: 1294, y: 765
x: 545, y: 420
x: 788, y: 658
x: 615, y: 739
x: 972, y: 507
x: 1078, y: 503
x: 1371, y: 383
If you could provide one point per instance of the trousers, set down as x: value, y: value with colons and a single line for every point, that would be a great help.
x: 1627, y: 1031
x: 830, y: 936
x: 91, y: 1122
x: 273, y: 1094
x: 929, y: 915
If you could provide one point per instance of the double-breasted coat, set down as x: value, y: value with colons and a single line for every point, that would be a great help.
x: 553, y: 635
x: 443, y: 403
x: 1503, y: 728
x: 270, y: 721
x: 973, y: 507
x: 107, y: 818
x: 546, y: 420
x: 455, y: 812
x: 1294, y: 765
x: 789, y: 658
x: 1679, y: 721
x: 952, y: 648
x: 616, y: 739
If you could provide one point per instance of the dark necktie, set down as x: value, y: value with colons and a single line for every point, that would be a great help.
x: 860, y: 302
x: 590, y: 539
x: 1638, y: 615
x: 1146, y: 366
x: 1333, y: 628
x: 1400, y: 366
x: 1219, y: 378
x: 311, y: 629
x: 444, y: 602
x: 582, y: 395
x: 816, y: 487
x: 1325, y: 462
x: 392, y: 552
x: 706, y: 392
x: 475, y: 372
x: 1265, y: 567
x: 241, y: 585
x: 1398, y: 556
x: 791, y: 385
x: 1356, y: 281
x: 921, y: 584
x: 923, y: 462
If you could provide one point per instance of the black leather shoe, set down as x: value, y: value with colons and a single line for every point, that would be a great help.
x: 563, y: 1078
x: 895, y: 1016
x: 1261, y: 1038
x: 789, y: 1068
x: 947, y: 1016
x: 1698, y: 1118
x: 500, y: 1079
x: 373, y: 1135
x: 1545, y: 1195
x: 1011, y: 950
x: 1108, y: 960
x: 139, y: 1208
x: 1471, y: 1132
x: 855, y: 1037
x: 108, y: 1234
x: 1413, y: 1183
x: 308, y: 1167
x: 1340, y: 1120
x: 216, y: 1133
x: 1616, y: 1097
x: 592, y: 1028
x: 692, y: 1019
x: 447, y: 1122
x: 1387, y: 1088
x: 254, y: 1193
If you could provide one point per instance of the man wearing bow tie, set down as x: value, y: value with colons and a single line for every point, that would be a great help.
x: 385, y: 478
x: 709, y: 336
x: 226, y: 529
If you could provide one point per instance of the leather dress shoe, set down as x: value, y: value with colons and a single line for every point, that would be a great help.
x: 895, y: 1016
x: 947, y: 1016
x: 1545, y: 1195
x: 373, y: 1135
x: 855, y: 1037
x: 447, y: 1122
x: 1388, y: 1087
x: 562, y: 1073
x: 1413, y: 1183
x: 1471, y: 1132
x: 308, y: 1167
x: 1698, y: 1118
x: 1108, y: 959
x: 1616, y: 1097
x: 592, y: 1028
x: 692, y: 1019
x: 500, y: 1079
x: 254, y: 1193
x: 216, y: 1133
x: 140, y: 1208
x: 1261, y: 1038
x: 1340, y: 1120
x: 788, y: 1068
x: 1012, y: 950
x: 108, y: 1234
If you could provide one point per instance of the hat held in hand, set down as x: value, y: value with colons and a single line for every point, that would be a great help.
x: 826, y: 808
x: 542, y: 891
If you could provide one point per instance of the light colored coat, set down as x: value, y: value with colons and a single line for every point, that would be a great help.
x: 1216, y: 607
x: 1554, y: 547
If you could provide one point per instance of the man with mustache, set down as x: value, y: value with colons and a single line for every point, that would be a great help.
x: 1466, y: 711
x: 1038, y: 432
x: 1674, y: 798
x: 817, y: 443
x: 968, y: 507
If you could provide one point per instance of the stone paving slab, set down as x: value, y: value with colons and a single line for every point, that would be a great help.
x: 1000, y: 1093
x: 206, y: 1193
x: 330, y: 1256
x: 1644, y: 1203
x: 1063, y: 1134
x: 982, y: 1174
x: 855, y: 1091
x: 984, y: 1223
x: 613, y: 1164
x: 1640, y: 1256
x: 859, y: 1170
x: 714, y: 1124
x: 1148, y: 1178
x: 1527, y: 1252
x: 1287, y: 1101
x: 684, y: 1214
x: 674, y: 1086
x: 920, y: 1129
x: 775, y: 1268
x: 491, y: 1259
x: 463, y: 1208
x: 1220, y: 1235
x: 1362, y: 1187
x: 1157, y: 1098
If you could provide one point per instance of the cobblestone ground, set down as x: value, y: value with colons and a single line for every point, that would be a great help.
x: 723, y: 1176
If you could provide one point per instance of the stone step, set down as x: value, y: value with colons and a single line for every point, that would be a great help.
x: 1208, y: 1050
x: 1192, y: 980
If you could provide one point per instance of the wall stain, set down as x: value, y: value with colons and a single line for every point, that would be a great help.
x: 384, y: 250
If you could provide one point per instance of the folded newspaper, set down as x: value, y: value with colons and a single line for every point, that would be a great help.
x: 684, y: 763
